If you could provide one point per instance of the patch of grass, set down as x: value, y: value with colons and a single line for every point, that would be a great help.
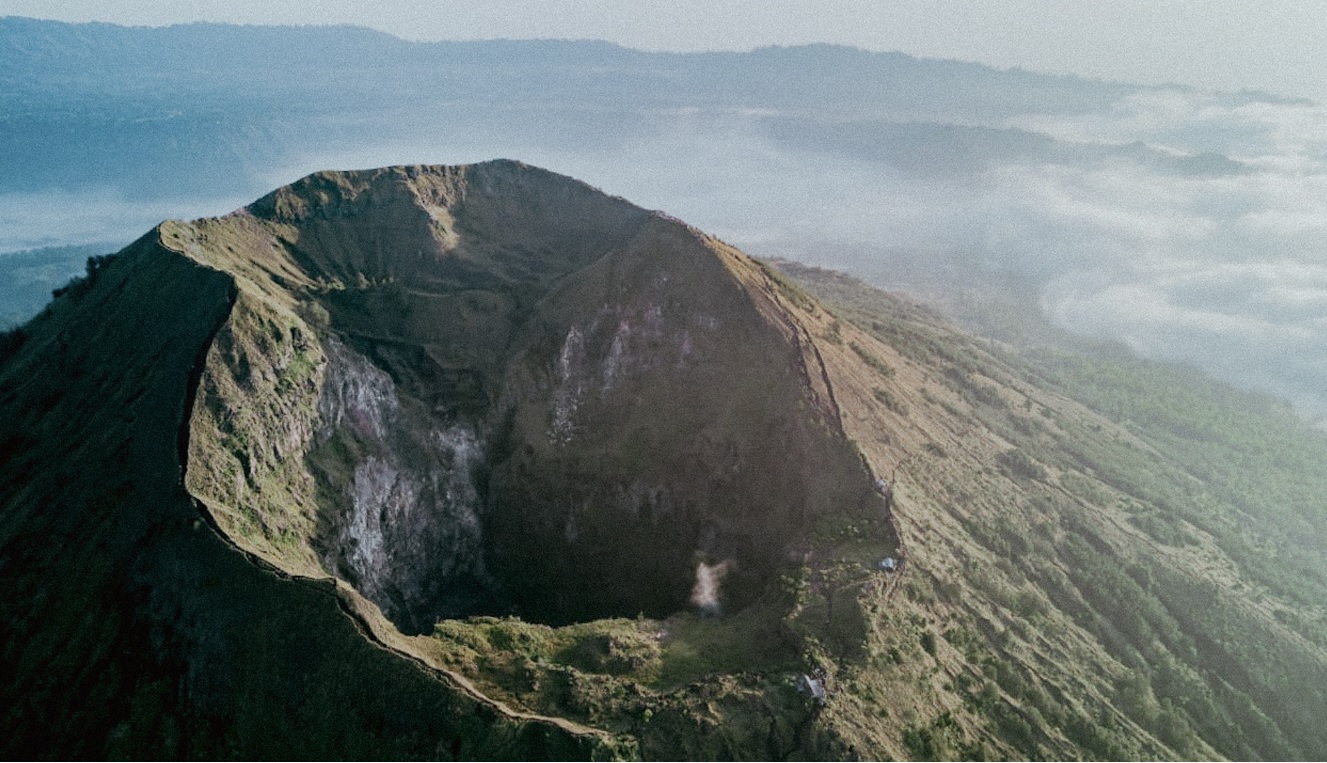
x: 663, y: 681
x: 1019, y: 465
x: 1089, y: 490
x: 870, y: 359
x: 889, y: 400
x: 750, y: 640
x: 788, y: 288
x: 1164, y: 529
x: 834, y: 334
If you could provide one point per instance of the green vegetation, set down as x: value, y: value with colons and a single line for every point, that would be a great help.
x: 889, y: 400
x: 328, y: 427
x: 80, y: 285
x: 1020, y: 466
x: 1169, y: 528
x: 133, y: 630
x: 651, y: 655
x: 28, y: 278
x: 788, y: 288
x: 659, y: 681
x: 874, y: 363
x: 1243, y: 464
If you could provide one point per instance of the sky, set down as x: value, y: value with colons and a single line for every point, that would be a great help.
x: 1273, y: 45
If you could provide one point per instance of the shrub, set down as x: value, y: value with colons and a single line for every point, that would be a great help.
x: 889, y: 400
x: 79, y: 285
x: 928, y: 643
x: 11, y: 342
x: 1019, y: 465
x: 876, y: 364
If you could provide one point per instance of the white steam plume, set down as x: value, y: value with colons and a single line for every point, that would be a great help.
x: 705, y: 593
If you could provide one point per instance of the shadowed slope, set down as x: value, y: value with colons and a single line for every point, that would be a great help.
x: 131, y: 628
x: 408, y: 393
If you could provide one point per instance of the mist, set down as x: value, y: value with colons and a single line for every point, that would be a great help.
x: 1186, y: 225
x: 1223, y: 267
x: 1220, y: 262
x: 93, y: 216
x: 705, y: 593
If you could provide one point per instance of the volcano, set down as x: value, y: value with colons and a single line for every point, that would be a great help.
x: 414, y: 393
x: 480, y: 462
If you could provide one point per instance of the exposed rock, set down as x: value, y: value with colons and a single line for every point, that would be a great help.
x: 132, y: 630
x: 404, y: 527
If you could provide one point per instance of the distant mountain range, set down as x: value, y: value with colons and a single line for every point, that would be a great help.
x: 206, y: 108
x: 1114, y: 208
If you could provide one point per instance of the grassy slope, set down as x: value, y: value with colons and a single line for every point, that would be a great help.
x: 1092, y: 588
x: 130, y: 628
x: 1068, y: 590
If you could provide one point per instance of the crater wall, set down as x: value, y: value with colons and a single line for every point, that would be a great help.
x: 492, y: 389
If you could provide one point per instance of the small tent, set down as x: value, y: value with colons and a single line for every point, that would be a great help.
x: 814, y: 688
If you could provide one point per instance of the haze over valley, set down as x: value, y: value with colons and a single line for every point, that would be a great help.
x: 1186, y: 225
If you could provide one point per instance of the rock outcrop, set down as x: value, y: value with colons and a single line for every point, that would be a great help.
x: 401, y: 395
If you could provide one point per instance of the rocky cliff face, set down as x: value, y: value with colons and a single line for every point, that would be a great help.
x: 403, y: 526
x: 671, y: 415
x: 493, y: 389
x: 133, y: 630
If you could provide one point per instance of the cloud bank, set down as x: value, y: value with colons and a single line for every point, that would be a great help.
x: 1198, y: 235
x: 1190, y: 226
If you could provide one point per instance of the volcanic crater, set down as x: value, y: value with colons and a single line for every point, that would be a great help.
x: 491, y: 389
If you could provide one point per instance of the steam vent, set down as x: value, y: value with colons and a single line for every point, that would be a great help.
x: 491, y: 389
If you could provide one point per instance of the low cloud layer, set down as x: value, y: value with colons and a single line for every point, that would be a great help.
x: 104, y: 216
x: 1227, y: 272
x: 1190, y: 226
x: 1223, y: 268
